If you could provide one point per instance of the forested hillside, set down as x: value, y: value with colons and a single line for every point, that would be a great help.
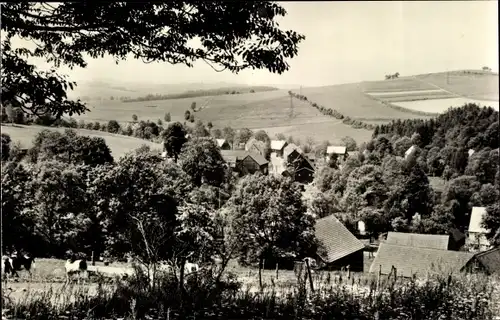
x: 392, y: 192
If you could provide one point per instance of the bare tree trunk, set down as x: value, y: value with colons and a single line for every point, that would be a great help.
x: 277, y: 269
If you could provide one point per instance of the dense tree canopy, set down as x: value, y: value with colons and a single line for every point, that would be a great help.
x: 232, y: 35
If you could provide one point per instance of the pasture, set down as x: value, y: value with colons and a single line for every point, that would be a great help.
x: 48, y: 276
x: 118, y: 144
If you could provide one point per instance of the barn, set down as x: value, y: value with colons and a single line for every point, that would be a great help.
x: 418, y: 261
x: 431, y: 241
x: 340, y: 247
x: 487, y: 261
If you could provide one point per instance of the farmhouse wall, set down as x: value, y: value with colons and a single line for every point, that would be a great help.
x: 355, y: 261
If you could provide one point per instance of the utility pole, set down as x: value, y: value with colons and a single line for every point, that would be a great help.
x: 291, y: 106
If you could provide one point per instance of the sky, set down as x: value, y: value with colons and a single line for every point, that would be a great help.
x: 348, y: 42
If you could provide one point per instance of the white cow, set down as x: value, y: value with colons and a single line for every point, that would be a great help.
x: 75, y: 267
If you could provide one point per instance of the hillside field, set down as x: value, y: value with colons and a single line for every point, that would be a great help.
x: 376, y: 102
x: 261, y: 110
x: 118, y: 144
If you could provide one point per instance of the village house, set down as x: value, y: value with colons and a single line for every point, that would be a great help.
x: 277, y: 148
x: 487, y: 261
x: 255, y: 146
x: 298, y: 164
x: 223, y: 144
x: 471, y: 152
x: 339, y: 247
x: 476, y: 234
x: 339, y: 151
x: 244, y: 162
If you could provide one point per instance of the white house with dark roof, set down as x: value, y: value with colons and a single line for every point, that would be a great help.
x: 277, y: 147
x: 476, y: 234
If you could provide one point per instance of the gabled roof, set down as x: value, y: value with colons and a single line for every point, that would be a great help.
x: 257, y: 158
x: 291, y: 148
x: 231, y: 156
x: 352, y: 153
x: 410, y: 150
x: 490, y: 259
x: 420, y: 261
x: 336, y: 239
x: 456, y: 235
x: 336, y: 150
x: 476, y: 218
x: 278, y: 145
x: 259, y: 144
x: 220, y: 142
x: 471, y: 152
x: 432, y: 241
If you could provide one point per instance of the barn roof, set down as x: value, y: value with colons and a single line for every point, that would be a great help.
x: 220, y: 142
x: 432, y: 241
x: 231, y: 156
x: 490, y: 259
x: 476, y: 218
x: 258, y: 158
x: 413, y: 260
x: 278, y: 145
x: 336, y: 150
x: 336, y: 239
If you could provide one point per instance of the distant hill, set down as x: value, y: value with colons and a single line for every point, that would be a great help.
x: 103, y: 90
x: 201, y: 93
x: 375, y: 102
x: 119, y: 144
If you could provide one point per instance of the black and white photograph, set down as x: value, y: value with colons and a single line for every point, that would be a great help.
x: 257, y: 160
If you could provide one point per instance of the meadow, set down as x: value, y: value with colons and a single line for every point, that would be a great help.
x: 335, y: 297
x: 118, y: 144
x: 470, y: 84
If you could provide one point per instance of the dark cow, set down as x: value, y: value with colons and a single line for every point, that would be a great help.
x: 16, y: 263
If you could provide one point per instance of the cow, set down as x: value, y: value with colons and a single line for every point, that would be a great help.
x: 16, y: 263
x: 75, y: 267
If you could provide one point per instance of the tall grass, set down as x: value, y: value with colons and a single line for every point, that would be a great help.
x: 440, y: 297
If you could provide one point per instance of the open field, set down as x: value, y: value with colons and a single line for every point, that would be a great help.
x: 48, y: 276
x: 374, y: 102
x: 119, y: 144
x: 261, y: 110
x: 471, y: 84
x: 349, y: 100
x: 441, y: 105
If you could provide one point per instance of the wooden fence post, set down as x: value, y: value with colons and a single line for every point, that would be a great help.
x: 378, y: 276
x: 309, y: 274
x: 93, y: 258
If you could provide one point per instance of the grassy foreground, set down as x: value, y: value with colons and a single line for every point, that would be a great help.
x: 441, y: 297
